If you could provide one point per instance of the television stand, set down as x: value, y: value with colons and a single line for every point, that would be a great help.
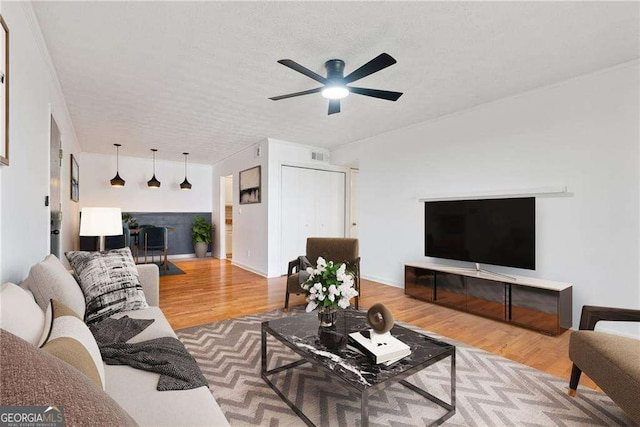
x: 538, y: 304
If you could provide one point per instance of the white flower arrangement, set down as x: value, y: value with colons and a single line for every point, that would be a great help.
x: 329, y: 285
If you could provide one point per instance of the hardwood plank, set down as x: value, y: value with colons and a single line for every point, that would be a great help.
x: 213, y: 290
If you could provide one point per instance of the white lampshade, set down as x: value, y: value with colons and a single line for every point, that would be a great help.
x: 101, y: 222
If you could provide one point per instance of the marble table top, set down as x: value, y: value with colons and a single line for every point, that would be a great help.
x: 317, y: 345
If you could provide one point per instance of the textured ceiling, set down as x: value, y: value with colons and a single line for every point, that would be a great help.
x: 196, y: 76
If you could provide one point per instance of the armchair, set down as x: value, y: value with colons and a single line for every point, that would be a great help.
x: 611, y: 361
x: 332, y: 249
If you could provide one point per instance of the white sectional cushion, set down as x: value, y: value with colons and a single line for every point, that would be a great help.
x: 50, y: 280
x: 71, y: 341
x: 19, y: 313
x: 136, y: 392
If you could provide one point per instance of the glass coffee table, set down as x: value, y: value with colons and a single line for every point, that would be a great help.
x: 359, y: 374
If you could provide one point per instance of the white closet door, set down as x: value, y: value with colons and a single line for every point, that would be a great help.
x: 307, y: 195
x: 330, y: 206
x: 312, y: 206
x: 290, y: 216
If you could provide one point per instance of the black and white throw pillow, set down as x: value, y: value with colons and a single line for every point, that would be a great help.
x: 109, y: 281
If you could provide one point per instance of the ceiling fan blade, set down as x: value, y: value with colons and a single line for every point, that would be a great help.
x: 382, y: 94
x: 299, y: 68
x: 334, y: 106
x: 291, y: 95
x: 378, y: 63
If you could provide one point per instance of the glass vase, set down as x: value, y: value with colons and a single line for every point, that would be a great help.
x: 327, y: 316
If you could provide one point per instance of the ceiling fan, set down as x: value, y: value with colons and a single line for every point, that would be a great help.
x: 335, y: 84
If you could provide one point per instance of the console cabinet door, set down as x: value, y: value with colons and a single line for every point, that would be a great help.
x: 487, y: 298
x: 535, y: 308
x: 450, y: 290
x: 419, y: 283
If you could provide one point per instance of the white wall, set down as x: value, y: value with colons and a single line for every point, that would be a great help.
x: 291, y: 154
x: 96, y: 170
x: 35, y: 94
x: 256, y: 227
x: 583, y: 133
x: 249, y: 221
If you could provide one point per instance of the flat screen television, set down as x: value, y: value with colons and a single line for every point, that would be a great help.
x: 491, y: 231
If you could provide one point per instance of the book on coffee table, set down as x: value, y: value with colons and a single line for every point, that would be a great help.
x: 393, y: 350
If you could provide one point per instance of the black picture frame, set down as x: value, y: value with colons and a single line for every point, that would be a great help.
x: 250, y: 183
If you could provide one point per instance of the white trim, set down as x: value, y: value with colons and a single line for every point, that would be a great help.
x: 560, y: 190
x: 387, y: 282
x: 297, y: 144
x: 317, y: 166
x: 249, y: 269
x: 186, y: 256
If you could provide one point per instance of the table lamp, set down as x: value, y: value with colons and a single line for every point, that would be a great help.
x: 101, y: 222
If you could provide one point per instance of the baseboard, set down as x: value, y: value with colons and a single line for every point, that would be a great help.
x: 246, y: 267
x: 384, y: 281
x: 185, y: 256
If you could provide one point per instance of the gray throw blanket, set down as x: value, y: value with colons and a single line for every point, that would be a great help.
x: 166, y: 356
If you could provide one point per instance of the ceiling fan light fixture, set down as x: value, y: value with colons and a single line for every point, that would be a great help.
x: 335, y: 92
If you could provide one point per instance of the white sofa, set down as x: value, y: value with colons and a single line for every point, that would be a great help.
x: 134, y: 390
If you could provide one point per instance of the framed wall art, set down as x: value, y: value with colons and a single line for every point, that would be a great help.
x: 75, y: 179
x: 4, y: 93
x: 250, y: 185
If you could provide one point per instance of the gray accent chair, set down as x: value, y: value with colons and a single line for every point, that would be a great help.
x: 336, y: 249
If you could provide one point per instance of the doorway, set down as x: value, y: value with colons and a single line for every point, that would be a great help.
x: 226, y: 216
x: 55, y: 203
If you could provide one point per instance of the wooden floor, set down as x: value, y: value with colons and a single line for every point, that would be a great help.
x: 213, y: 290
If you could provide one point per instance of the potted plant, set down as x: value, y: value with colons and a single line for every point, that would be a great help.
x: 129, y: 220
x: 201, y: 233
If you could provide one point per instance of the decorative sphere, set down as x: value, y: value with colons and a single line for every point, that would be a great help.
x: 380, y: 318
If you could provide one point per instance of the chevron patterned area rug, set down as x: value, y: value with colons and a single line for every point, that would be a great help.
x: 490, y: 390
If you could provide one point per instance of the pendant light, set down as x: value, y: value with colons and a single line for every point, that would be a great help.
x: 186, y: 185
x: 117, y: 181
x: 153, y: 182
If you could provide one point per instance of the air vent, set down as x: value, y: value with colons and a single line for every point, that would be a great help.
x: 321, y: 157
